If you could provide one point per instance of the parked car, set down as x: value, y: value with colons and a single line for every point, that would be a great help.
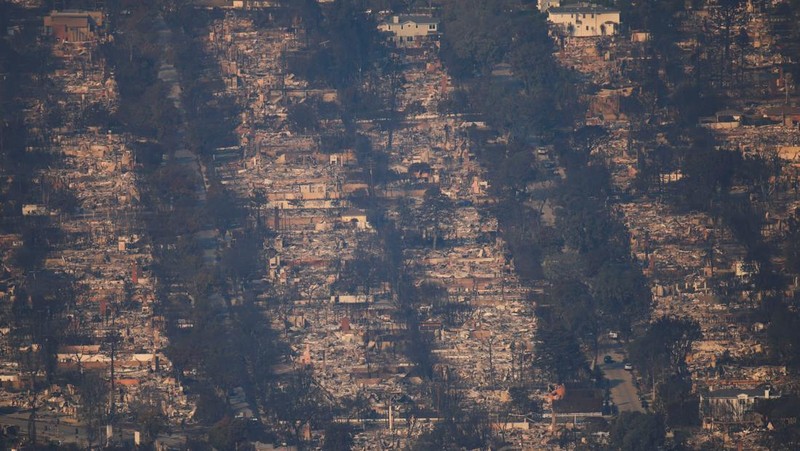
x: 628, y: 367
x: 608, y: 359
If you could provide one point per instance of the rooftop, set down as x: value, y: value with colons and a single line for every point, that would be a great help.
x: 416, y: 18
x: 727, y: 393
x: 581, y: 8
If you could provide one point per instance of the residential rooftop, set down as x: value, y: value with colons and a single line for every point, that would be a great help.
x: 581, y: 8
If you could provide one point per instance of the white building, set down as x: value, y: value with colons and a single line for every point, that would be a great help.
x: 545, y: 5
x: 730, y: 405
x: 408, y: 30
x: 585, y: 20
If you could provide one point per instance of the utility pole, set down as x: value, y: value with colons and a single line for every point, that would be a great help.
x: 283, y: 74
x: 33, y: 369
x: 786, y: 77
x: 391, y: 417
x: 112, y: 337
x: 490, y: 343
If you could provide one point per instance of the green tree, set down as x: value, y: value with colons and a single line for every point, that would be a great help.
x: 634, y: 431
x: 530, y: 55
x: 783, y: 335
x: 460, y: 427
x: 622, y: 294
x: 242, y: 259
x: 791, y: 246
x: 477, y: 34
x: 94, y: 403
x: 578, y: 310
x: 223, y: 208
x: 517, y: 170
x: 338, y: 437
x: 662, y: 350
x: 436, y: 213
x: 302, y: 118
x: 557, y: 352
x: 676, y: 403
x: 298, y: 401
x: 227, y: 434
x: 150, y: 419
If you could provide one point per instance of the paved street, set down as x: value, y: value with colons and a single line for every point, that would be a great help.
x: 49, y: 429
x: 623, y: 390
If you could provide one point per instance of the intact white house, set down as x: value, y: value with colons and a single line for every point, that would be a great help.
x: 408, y: 30
x: 583, y: 20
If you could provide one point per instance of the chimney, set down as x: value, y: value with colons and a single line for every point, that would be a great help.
x: 395, y: 19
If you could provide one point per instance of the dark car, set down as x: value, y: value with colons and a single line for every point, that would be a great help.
x: 608, y: 359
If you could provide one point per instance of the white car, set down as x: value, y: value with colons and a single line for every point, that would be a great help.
x: 628, y: 367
